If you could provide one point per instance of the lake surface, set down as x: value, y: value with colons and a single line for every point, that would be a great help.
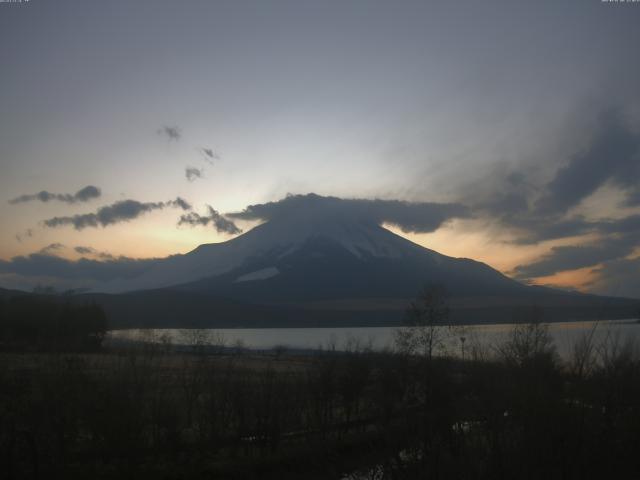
x: 564, y: 334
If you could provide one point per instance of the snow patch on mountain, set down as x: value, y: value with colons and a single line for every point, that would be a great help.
x: 261, y: 274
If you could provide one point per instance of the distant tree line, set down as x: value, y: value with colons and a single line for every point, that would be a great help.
x: 47, y: 322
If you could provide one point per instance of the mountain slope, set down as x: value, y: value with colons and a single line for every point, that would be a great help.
x: 317, y: 258
x: 322, y: 269
x: 315, y: 270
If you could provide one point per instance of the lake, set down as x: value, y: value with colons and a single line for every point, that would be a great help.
x: 564, y: 334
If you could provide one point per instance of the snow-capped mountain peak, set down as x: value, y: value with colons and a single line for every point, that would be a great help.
x: 276, y: 239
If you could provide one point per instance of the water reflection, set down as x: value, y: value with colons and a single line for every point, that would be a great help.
x: 460, y: 341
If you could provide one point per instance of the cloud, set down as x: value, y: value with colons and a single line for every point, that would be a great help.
x: 87, y: 193
x: 193, y: 173
x: 52, y: 247
x: 27, y: 233
x: 50, y: 266
x: 180, y: 203
x: 539, y: 230
x: 83, y: 195
x: 90, y: 251
x: 633, y: 199
x: 420, y: 217
x: 617, y: 239
x: 613, y: 156
x: 620, y: 277
x: 122, y: 211
x: 172, y: 133
x: 210, y: 155
x: 573, y: 257
x: 630, y: 224
x: 533, y: 206
x: 219, y: 222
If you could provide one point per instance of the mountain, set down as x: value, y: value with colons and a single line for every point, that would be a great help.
x: 314, y: 269
x: 314, y: 258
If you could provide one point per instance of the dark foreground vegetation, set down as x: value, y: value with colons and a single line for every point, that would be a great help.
x: 149, y: 411
x: 46, y: 323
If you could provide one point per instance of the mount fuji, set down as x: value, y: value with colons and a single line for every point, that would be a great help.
x: 322, y: 267
x: 317, y: 256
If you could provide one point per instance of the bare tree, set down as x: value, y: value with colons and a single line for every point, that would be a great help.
x: 528, y: 341
x: 583, y: 354
x: 195, y: 339
x: 425, y: 317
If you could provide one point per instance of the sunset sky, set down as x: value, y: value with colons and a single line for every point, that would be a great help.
x: 523, y: 117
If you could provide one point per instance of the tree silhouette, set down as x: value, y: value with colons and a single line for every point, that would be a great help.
x: 424, y: 320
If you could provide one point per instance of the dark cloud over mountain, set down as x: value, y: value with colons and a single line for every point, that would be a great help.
x: 409, y: 217
x: 122, y: 211
x: 83, y: 195
x: 219, y: 222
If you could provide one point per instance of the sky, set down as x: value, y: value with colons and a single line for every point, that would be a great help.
x: 128, y: 130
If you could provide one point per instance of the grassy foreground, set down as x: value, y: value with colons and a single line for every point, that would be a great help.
x: 150, y: 411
